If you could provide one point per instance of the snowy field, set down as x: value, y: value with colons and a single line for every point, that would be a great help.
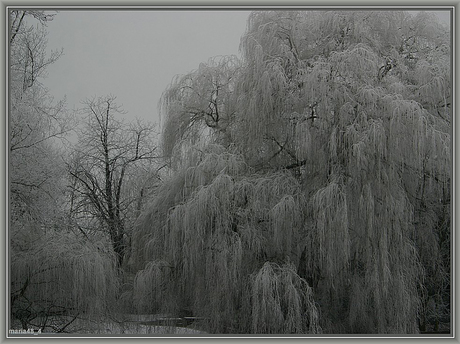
x: 126, y: 324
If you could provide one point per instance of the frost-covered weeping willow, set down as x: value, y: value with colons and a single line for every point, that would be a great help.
x: 56, y: 273
x: 206, y: 239
x: 327, y: 205
x: 199, y: 104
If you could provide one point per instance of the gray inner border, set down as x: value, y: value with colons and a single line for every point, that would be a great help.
x: 235, y: 5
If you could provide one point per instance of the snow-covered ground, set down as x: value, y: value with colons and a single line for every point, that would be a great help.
x: 122, y: 324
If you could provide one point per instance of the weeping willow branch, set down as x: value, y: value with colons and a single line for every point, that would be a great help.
x: 60, y: 269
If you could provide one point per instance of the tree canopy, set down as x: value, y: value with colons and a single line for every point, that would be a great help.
x: 310, y: 181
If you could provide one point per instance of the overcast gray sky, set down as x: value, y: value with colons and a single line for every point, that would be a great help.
x: 135, y: 54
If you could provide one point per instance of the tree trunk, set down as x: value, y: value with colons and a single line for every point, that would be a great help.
x: 118, y: 242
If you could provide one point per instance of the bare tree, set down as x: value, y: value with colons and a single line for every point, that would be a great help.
x: 54, y: 276
x: 101, y: 163
x: 36, y: 120
x: 18, y: 17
